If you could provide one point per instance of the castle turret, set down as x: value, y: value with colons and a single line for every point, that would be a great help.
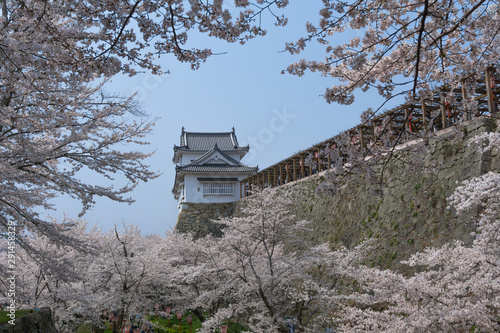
x: 208, y: 167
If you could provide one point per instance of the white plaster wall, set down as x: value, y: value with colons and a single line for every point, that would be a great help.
x: 235, y: 156
x: 187, y: 157
x: 192, y: 185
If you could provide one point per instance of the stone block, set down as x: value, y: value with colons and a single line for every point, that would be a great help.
x: 36, y: 322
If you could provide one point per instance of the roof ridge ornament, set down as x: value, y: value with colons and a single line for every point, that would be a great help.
x: 233, y: 138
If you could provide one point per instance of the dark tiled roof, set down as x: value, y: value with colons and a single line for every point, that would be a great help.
x: 206, y: 141
x: 195, y: 141
x: 177, y: 148
x: 212, y: 150
x: 198, y: 165
x: 217, y: 168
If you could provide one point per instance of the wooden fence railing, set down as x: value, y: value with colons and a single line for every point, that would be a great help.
x: 431, y: 114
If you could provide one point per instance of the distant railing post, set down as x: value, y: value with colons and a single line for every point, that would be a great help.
x: 301, y: 163
x: 329, y: 151
x: 407, y: 120
x: 443, y: 110
x: 489, y: 91
x: 468, y: 116
x: 282, y: 175
x: 319, y: 161
x: 424, y: 114
x: 274, y: 177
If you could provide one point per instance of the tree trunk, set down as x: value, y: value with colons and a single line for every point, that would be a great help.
x: 199, y: 313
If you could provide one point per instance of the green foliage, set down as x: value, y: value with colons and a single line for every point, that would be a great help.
x: 172, y: 325
x: 87, y: 328
x: 372, y: 213
x: 19, y: 313
x: 394, y: 241
x: 394, y: 225
x: 447, y: 150
x: 492, y: 125
x: 417, y: 187
x: 162, y: 325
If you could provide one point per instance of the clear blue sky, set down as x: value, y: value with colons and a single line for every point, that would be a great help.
x: 243, y: 88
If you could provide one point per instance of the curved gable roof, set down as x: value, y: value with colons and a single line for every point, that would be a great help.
x: 200, y: 165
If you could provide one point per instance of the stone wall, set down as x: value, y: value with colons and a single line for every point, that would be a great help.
x: 37, y: 322
x: 197, y: 218
x: 411, y: 214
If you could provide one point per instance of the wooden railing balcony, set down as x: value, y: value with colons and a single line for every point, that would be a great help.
x: 443, y: 109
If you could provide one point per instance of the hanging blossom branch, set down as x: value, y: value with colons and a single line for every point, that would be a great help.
x: 433, y: 42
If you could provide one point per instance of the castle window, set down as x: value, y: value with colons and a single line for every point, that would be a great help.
x: 218, y: 188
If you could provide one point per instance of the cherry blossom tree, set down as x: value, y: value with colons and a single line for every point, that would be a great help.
x: 410, y: 49
x: 117, y: 275
x: 399, y: 47
x: 187, y: 276
x: 107, y: 271
x: 456, y: 287
x: 56, y: 119
x: 260, y: 271
x: 55, y: 279
x: 407, y: 49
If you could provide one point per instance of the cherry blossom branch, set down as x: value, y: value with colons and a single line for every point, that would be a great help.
x: 419, y: 45
x: 459, y: 22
